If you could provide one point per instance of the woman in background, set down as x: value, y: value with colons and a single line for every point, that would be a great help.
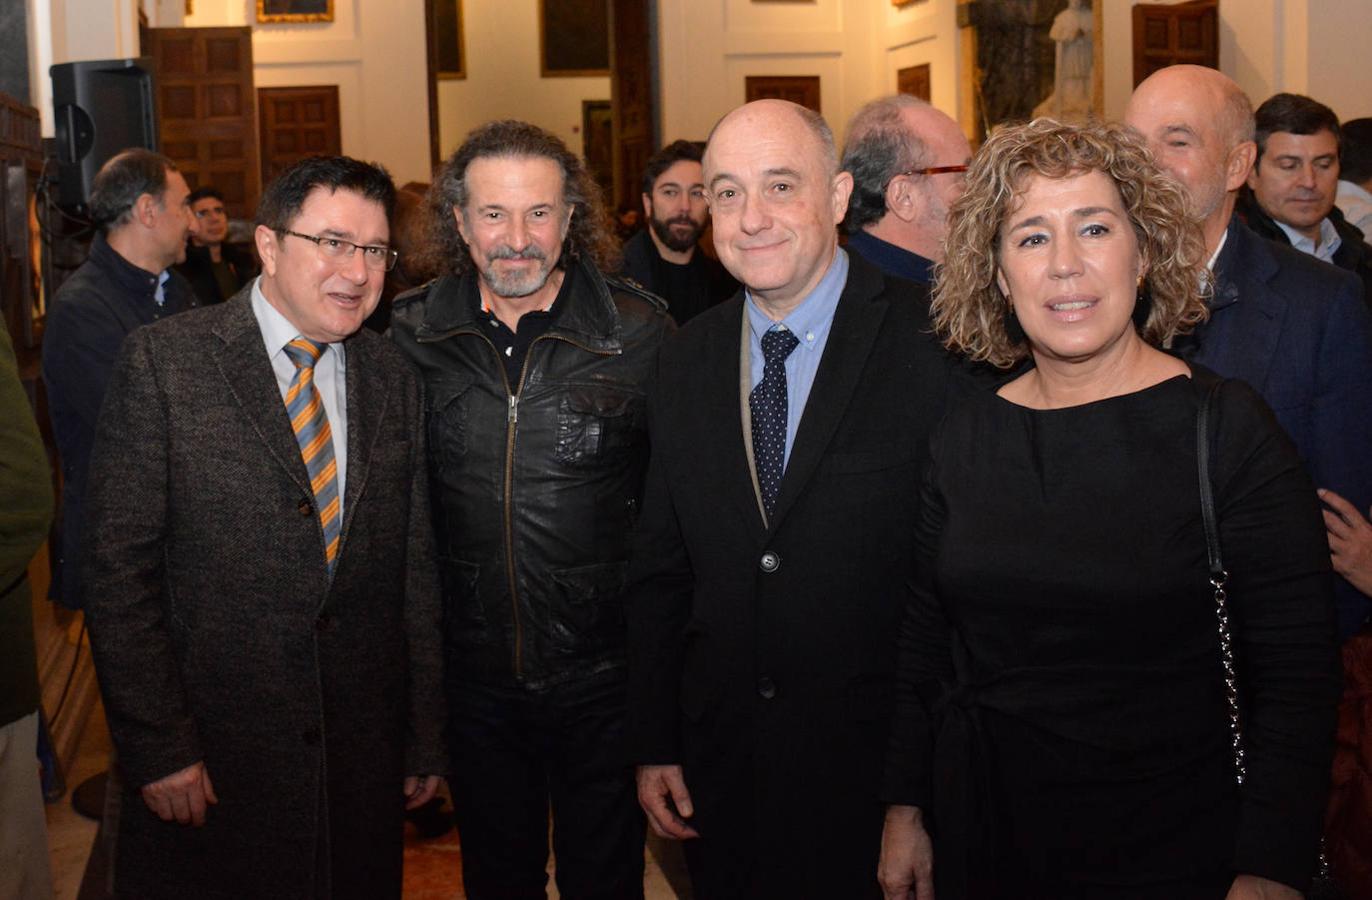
x: 1062, y: 726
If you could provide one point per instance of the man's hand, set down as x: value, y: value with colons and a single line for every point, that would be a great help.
x: 1350, y: 541
x: 906, y: 867
x: 420, y: 789
x: 1251, y: 887
x: 655, y: 785
x: 182, y: 796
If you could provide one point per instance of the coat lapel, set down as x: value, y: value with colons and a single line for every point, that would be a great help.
x: 1251, y: 344
x: 722, y: 371
x: 247, y: 372
x: 857, y: 321
x: 367, y: 401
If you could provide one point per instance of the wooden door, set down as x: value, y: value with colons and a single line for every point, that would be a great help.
x: 298, y: 122
x: 205, y: 109
x: 800, y: 89
x: 631, y: 97
x: 1168, y: 34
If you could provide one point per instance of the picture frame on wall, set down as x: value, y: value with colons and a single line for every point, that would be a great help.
x: 449, y: 41
x: 573, y: 38
x: 294, y: 11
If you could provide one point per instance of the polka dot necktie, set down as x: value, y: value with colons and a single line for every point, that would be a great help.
x: 767, y: 404
x: 310, y: 423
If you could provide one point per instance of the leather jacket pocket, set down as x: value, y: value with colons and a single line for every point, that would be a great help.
x: 592, y: 598
x: 595, y: 422
x: 447, y: 416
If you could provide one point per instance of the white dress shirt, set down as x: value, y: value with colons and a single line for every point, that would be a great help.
x: 330, y: 376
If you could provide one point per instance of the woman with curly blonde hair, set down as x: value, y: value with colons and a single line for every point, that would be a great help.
x: 1062, y: 726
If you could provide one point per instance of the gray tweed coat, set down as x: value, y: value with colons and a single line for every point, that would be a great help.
x: 219, y: 637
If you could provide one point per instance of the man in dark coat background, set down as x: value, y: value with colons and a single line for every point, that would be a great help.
x: 260, y: 584
x: 665, y: 257
x: 139, y: 202
x: 768, y: 575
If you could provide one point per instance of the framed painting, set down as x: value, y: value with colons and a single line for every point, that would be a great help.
x: 574, y: 38
x: 273, y: 11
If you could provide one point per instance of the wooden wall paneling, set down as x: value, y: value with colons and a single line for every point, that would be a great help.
x: 914, y: 80
x: 1168, y: 34
x: 298, y: 122
x: 801, y: 89
x: 631, y: 97
x: 205, y: 109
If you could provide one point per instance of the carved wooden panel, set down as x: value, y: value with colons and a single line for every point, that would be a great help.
x: 298, y: 122
x: 1168, y: 34
x: 631, y: 97
x: 205, y: 111
x: 801, y: 89
x: 914, y: 80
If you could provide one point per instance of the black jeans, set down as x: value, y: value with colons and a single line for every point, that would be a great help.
x: 513, y: 752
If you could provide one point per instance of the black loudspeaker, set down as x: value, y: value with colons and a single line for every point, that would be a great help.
x: 100, y: 108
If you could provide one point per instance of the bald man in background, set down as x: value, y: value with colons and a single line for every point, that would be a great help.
x: 1294, y: 328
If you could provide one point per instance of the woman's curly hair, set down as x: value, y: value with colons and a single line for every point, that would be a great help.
x: 589, y: 233
x: 968, y: 306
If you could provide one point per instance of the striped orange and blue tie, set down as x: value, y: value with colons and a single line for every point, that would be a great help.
x: 311, y: 425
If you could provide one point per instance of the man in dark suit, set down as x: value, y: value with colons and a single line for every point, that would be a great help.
x: 1293, y: 327
x: 259, y: 574
x: 789, y: 429
x: 215, y: 268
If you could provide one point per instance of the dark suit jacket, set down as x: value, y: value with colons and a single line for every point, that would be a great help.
x: 219, y: 636
x: 772, y: 683
x: 1296, y: 329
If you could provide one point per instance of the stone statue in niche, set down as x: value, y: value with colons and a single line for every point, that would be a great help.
x: 1073, y: 60
x: 1015, y: 56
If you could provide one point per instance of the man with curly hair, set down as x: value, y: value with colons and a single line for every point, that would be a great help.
x: 535, y: 362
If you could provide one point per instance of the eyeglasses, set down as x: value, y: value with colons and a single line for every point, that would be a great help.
x: 936, y: 170
x: 381, y: 259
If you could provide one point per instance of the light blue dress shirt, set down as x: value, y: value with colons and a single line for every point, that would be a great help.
x: 330, y: 377
x: 810, y: 323
x: 1329, y: 240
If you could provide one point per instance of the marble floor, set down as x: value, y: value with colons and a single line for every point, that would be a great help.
x: 431, y: 866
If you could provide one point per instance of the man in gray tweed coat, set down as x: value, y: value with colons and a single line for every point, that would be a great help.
x: 259, y: 571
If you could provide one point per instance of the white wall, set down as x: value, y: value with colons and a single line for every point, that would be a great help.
x: 72, y: 31
x: 708, y: 48
x: 503, y: 82
x: 1313, y: 47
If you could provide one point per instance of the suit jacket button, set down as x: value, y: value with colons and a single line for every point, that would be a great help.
x: 305, y: 507
x: 322, y: 623
x: 311, y: 737
x: 770, y: 562
x: 766, y: 688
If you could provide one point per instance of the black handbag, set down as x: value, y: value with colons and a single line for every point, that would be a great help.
x: 1323, y: 887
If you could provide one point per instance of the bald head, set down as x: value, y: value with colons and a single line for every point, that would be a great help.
x: 1199, y: 125
x: 776, y: 195
x: 889, y: 141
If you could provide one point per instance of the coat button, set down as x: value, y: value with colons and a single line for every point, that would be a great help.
x: 770, y: 562
x: 311, y: 737
x: 305, y: 507
x: 323, y: 623
x: 766, y: 688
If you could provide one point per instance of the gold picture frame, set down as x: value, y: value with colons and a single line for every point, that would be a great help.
x: 294, y: 11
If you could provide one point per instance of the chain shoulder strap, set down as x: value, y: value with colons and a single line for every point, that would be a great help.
x: 1218, y: 578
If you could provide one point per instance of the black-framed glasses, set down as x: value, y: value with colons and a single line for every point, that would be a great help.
x: 936, y: 170
x: 381, y: 259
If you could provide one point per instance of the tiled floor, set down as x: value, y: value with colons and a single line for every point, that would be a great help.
x: 431, y: 867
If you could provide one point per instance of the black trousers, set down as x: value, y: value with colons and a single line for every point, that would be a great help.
x: 515, y: 752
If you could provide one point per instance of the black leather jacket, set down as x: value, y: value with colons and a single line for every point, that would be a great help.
x: 536, y: 485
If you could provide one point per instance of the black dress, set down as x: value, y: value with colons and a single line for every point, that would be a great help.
x: 1061, y: 711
